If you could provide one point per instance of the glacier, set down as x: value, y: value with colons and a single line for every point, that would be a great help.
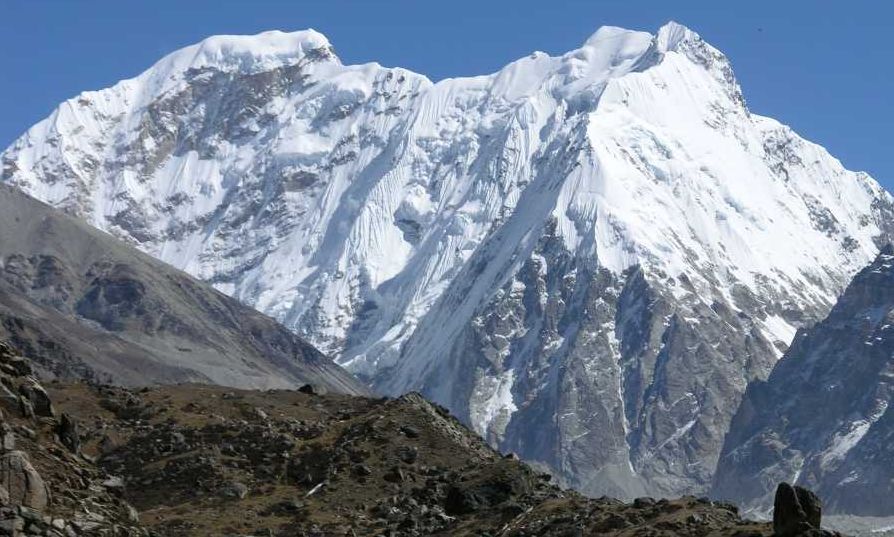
x: 586, y: 257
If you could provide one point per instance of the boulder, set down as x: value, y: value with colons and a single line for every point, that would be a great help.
x: 69, y: 434
x: 410, y: 431
x: 39, y: 399
x: 7, y: 438
x: 408, y: 454
x: 12, y: 363
x: 462, y: 501
x: 796, y: 510
x: 22, y: 482
x: 26, y: 409
x: 234, y: 490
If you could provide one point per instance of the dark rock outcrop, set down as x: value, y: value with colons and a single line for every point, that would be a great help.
x: 796, y: 511
x: 69, y: 433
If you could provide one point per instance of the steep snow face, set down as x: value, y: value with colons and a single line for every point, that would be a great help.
x: 603, y: 247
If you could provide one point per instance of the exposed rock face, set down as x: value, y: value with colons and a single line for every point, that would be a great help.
x: 823, y: 418
x: 586, y: 257
x: 22, y: 482
x: 37, y: 399
x: 45, y: 489
x: 82, y: 304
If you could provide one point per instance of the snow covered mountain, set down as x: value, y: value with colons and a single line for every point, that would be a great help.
x: 587, y: 257
x: 845, y: 366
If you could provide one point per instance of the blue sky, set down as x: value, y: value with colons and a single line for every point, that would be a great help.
x: 823, y: 67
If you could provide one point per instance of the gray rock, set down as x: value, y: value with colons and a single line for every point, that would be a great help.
x: 21, y: 480
x: 39, y: 399
x: 26, y: 409
x: 114, y: 483
x: 8, y: 441
x: 409, y: 431
x: 133, y: 516
x: 824, y: 413
x: 12, y: 526
x: 234, y: 490
x: 362, y: 470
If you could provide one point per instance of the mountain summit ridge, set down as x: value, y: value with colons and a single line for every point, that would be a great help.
x: 603, y: 246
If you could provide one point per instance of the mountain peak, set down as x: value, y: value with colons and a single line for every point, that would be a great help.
x: 672, y: 34
x: 668, y: 37
x: 605, y: 33
x: 251, y: 53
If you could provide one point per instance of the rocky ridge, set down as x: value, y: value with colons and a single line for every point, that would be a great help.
x: 47, y: 487
x: 198, y: 460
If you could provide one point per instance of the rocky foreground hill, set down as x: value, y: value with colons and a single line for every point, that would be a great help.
x: 82, y: 459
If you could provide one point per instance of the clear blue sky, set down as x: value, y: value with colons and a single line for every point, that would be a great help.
x: 825, y: 68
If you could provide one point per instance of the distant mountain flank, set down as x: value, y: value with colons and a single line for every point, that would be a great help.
x: 82, y: 304
x: 585, y: 257
x: 823, y: 418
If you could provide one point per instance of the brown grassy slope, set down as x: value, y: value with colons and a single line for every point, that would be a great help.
x: 204, y: 460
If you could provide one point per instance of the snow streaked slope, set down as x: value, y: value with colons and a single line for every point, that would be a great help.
x: 843, y: 365
x: 586, y: 256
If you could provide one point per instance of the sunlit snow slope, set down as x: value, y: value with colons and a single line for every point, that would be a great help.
x: 587, y: 257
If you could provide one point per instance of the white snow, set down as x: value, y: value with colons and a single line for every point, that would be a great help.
x: 641, y: 150
x: 851, y: 435
x: 496, y: 401
x: 778, y: 329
